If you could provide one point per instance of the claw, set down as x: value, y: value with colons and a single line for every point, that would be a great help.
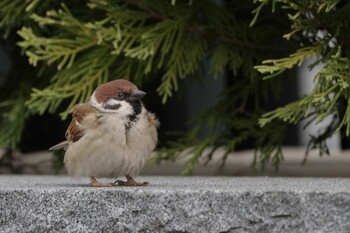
x: 95, y: 183
x: 130, y: 182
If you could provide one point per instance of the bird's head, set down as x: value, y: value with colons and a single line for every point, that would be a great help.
x: 118, y: 95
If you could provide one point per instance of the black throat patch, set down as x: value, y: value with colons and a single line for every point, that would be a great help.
x: 137, y: 109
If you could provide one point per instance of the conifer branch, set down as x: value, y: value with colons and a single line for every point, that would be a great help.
x: 76, y: 46
x: 198, y: 31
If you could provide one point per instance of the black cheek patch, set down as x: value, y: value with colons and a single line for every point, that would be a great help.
x: 112, y: 106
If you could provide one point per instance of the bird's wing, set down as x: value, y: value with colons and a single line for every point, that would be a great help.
x: 83, y: 116
x: 61, y: 145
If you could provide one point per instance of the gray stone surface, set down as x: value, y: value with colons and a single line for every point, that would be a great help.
x: 175, y: 204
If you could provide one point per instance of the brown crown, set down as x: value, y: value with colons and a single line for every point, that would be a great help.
x: 107, y: 90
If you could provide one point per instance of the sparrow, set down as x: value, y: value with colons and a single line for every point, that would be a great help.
x: 111, y: 135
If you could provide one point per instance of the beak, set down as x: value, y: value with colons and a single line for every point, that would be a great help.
x: 137, y: 95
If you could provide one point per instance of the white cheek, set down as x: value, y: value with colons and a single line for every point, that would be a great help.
x: 125, y: 108
x: 112, y: 102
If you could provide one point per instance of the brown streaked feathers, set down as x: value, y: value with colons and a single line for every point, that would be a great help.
x: 152, y: 120
x: 79, y: 112
x: 74, y: 132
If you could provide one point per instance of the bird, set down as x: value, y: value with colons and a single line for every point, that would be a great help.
x: 111, y: 135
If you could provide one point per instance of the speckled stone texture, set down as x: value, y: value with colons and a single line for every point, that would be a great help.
x: 175, y: 204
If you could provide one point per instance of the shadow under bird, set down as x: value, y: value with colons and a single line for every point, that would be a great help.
x: 111, y: 135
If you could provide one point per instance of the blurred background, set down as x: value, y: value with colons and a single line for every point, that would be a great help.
x: 41, y: 132
x: 198, y: 92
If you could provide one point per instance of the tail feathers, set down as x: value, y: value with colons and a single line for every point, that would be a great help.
x: 61, y: 145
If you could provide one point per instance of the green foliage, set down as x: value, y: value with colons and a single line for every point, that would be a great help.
x: 277, y: 66
x: 13, y: 110
x: 75, y: 46
x: 323, y: 101
x: 16, y: 12
x: 12, y: 122
x: 228, y: 125
x: 320, y: 28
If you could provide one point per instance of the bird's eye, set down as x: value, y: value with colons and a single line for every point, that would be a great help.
x: 120, y: 95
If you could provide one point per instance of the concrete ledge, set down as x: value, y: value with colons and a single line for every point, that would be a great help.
x: 175, y: 204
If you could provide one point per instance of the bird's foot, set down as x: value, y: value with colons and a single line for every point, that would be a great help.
x: 130, y: 182
x: 95, y: 183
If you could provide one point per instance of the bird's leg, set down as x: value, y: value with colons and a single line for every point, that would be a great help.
x: 94, y: 183
x: 130, y: 182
